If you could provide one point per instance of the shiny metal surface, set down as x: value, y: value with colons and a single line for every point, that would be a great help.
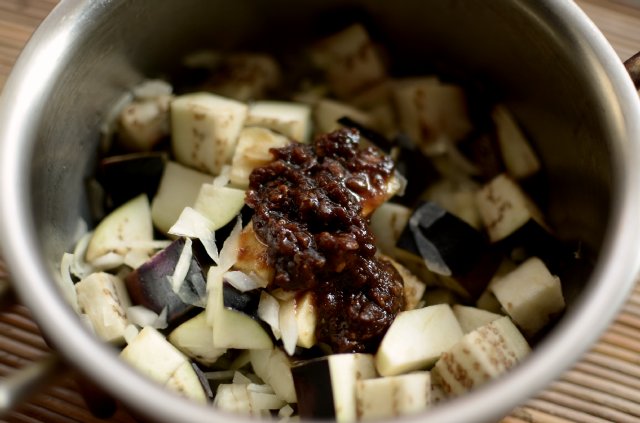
x: 544, y: 58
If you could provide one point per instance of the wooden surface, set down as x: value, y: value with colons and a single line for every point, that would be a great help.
x: 603, y: 387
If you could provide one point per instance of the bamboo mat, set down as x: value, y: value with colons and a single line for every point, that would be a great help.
x: 603, y: 387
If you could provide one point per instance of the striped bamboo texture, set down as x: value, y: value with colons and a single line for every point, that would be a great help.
x: 603, y: 387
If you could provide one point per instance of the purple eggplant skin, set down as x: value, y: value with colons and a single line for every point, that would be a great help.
x: 461, y: 248
x: 125, y: 176
x: 245, y: 302
x: 149, y: 285
x: 208, y: 391
x: 314, y: 390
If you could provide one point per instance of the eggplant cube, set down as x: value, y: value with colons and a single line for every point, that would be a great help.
x: 387, y: 223
x: 293, y: 120
x: 327, y: 112
x: 505, y: 208
x: 252, y: 151
x: 144, y: 123
x: 531, y: 295
x: 151, y: 354
x: 122, y: 229
x: 149, y: 284
x: 480, y: 356
x: 326, y: 386
x: 205, y: 129
x: 274, y: 368
x: 350, y: 60
x: 517, y: 154
x: 393, y: 396
x: 195, y: 339
x: 416, y: 339
x: 103, y: 298
x: 179, y: 188
x: 471, y: 318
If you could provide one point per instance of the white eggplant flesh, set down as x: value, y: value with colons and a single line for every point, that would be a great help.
x: 387, y: 223
x: 416, y: 339
x: 293, y: 120
x: 186, y: 382
x: 179, y: 188
x: 432, y: 114
x: 530, y: 295
x: 232, y: 329
x: 144, y: 123
x: 251, y: 76
x: 103, y: 298
x: 205, y: 129
x: 252, y: 151
x: 274, y: 368
x: 327, y: 112
x: 195, y: 339
x: 326, y: 387
x: 350, y: 60
x: 480, y: 356
x: 517, y: 154
x: 505, y: 207
x: 122, y: 229
x: 233, y: 398
x: 393, y: 396
x: 471, y: 318
x: 151, y: 354
x: 219, y: 204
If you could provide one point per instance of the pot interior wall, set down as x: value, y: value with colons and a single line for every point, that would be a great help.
x: 554, y: 86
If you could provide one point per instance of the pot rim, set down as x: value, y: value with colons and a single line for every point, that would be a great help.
x: 33, y: 75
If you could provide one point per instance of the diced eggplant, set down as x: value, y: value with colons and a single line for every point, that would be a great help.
x: 433, y: 114
x: 245, y: 76
x: 179, y: 188
x: 416, y: 339
x: 350, y: 61
x: 451, y: 248
x: 458, y: 197
x: 292, y: 120
x: 149, y: 284
x: 252, y: 151
x: 127, y: 176
x: 151, y: 354
x: 232, y: 328
x: 530, y: 295
x: 233, y: 398
x: 274, y: 368
x: 103, y: 298
x: 327, y: 114
x: 326, y: 386
x: 387, y: 223
x: 393, y: 396
x: 245, y: 302
x: 518, y: 155
x: 127, y: 227
x: 480, y: 356
x: 219, y: 204
x: 204, y: 130
x: 471, y: 318
x: 252, y: 256
x: 144, y: 123
x: 195, y: 339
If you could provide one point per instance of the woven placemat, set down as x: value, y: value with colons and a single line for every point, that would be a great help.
x: 603, y: 387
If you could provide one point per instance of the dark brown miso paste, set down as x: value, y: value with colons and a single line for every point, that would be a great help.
x: 311, y: 210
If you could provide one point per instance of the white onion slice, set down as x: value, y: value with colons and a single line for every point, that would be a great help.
x: 229, y: 251
x: 142, y: 317
x: 136, y: 258
x: 240, y: 379
x: 289, y: 330
x: 108, y: 261
x: 285, y: 411
x: 80, y: 267
x: 269, y: 312
x: 262, y: 388
x: 152, y: 88
x: 243, y: 282
x: 222, y: 179
x: 182, y: 267
x: 130, y: 332
x: 262, y: 401
x: 193, y: 224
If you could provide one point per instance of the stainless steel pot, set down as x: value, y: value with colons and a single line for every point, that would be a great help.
x: 543, y: 57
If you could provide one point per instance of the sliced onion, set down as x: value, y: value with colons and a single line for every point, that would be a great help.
x: 136, y: 258
x: 152, y: 88
x: 108, y: 261
x: 229, y: 251
x: 243, y: 282
x: 289, y: 330
x: 193, y: 224
x: 261, y: 388
x: 222, y: 179
x: 240, y: 379
x: 142, y: 317
x: 80, y: 267
x: 269, y: 312
x: 285, y: 411
x: 182, y: 267
x: 262, y: 401
x: 130, y: 332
